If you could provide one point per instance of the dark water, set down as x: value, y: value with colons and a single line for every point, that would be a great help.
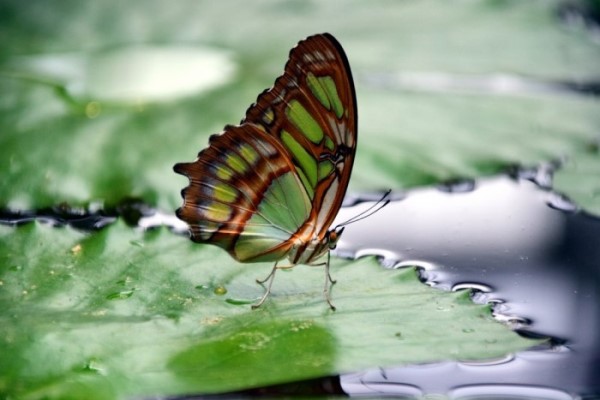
x: 528, y: 252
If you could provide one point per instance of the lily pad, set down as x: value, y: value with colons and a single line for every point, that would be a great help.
x: 579, y: 179
x: 122, y: 313
x: 433, y: 138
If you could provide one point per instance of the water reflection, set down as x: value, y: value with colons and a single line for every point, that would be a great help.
x: 500, y: 218
x: 538, y: 264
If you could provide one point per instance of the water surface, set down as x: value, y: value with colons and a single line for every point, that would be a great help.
x: 525, y: 250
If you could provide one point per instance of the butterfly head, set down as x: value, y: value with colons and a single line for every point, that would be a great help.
x: 333, y: 236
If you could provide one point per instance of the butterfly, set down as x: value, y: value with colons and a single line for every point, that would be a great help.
x: 269, y: 188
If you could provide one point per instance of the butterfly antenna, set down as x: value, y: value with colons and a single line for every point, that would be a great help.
x: 382, y: 202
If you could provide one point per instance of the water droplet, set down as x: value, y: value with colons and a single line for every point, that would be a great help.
x: 220, y: 290
x: 93, y: 109
x: 468, y: 330
x: 479, y: 297
x: 15, y: 268
x: 540, y: 175
x: 471, y: 285
x: 200, y: 287
x: 560, y: 202
x: 136, y: 243
x: 512, y: 321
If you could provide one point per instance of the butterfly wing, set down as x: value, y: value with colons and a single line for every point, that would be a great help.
x: 279, y: 178
x: 312, y: 110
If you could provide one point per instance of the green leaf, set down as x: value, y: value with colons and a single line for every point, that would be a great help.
x: 433, y: 138
x: 120, y: 313
x: 579, y: 179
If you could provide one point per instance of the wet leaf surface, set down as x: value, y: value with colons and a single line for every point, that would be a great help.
x: 121, y: 313
x: 579, y: 179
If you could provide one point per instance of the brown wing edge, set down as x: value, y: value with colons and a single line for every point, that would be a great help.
x: 339, y: 49
x: 344, y: 59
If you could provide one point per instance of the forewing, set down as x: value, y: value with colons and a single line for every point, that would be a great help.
x: 311, y: 110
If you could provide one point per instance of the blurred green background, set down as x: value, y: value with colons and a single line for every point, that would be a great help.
x: 101, y: 98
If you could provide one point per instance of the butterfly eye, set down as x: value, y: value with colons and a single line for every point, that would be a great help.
x: 334, y: 236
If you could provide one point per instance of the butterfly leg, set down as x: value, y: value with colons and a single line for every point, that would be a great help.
x: 271, y: 274
x: 269, y: 278
x: 333, y: 281
x: 328, y: 281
